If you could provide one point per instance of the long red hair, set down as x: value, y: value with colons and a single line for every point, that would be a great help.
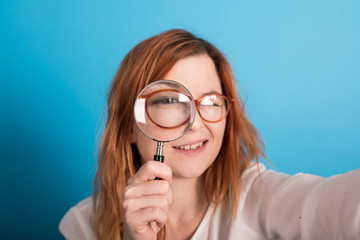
x: 118, y: 159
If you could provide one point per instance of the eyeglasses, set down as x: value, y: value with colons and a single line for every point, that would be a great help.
x: 169, y: 108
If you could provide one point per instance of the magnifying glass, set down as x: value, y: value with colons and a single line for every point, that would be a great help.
x: 164, y: 111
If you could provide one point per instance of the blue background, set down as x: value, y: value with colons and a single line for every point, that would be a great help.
x: 296, y: 64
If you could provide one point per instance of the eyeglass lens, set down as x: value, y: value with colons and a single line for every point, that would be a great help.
x: 213, y: 107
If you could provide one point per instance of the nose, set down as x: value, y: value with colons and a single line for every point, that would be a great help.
x: 198, y: 122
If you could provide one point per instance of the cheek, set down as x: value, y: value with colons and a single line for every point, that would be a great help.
x: 145, y: 146
x: 218, y: 130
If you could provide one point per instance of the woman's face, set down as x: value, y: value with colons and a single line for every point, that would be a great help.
x: 193, y: 153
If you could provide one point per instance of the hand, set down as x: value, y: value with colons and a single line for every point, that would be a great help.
x: 146, y: 201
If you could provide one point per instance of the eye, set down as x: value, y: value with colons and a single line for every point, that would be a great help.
x: 163, y: 100
x: 211, y: 100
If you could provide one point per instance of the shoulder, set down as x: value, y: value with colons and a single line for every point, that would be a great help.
x: 76, y: 224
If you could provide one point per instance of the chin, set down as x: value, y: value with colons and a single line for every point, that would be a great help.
x: 188, y: 171
x: 185, y: 175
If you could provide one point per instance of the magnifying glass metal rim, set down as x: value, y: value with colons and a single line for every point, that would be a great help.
x: 191, y: 120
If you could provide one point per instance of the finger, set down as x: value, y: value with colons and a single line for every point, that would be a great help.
x: 146, y: 216
x: 149, y: 171
x: 153, y: 201
x: 160, y: 187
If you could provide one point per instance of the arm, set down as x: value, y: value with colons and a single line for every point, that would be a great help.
x: 305, y: 206
x: 332, y: 208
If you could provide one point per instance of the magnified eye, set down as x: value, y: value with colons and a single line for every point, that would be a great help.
x: 163, y: 100
x: 169, y: 110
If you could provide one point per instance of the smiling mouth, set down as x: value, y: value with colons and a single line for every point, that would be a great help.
x: 191, y: 147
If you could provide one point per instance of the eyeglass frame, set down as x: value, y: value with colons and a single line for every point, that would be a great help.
x: 197, y: 106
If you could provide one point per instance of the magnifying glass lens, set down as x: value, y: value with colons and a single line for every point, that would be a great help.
x: 164, y: 110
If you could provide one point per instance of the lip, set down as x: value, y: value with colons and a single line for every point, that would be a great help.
x: 191, y: 152
x: 191, y: 143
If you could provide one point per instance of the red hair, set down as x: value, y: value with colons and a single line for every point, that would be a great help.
x: 118, y: 160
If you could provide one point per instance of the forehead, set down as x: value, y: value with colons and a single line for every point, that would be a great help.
x: 196, y: 73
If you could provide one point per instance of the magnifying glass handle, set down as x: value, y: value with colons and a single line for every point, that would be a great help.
x: 159, y: 158
x: 158, y: 155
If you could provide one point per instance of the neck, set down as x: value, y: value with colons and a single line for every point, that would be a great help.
x: 189, y: 205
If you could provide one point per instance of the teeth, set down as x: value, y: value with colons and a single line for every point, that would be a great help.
x: 193, y: 146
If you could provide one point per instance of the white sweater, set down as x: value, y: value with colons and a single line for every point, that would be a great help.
x: 272, y: 206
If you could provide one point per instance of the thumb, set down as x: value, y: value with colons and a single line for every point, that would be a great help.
x: 156, y: 227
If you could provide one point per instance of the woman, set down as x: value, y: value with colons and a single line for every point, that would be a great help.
x: 211, y: 185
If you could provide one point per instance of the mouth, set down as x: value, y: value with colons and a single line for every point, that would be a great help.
x: 193, y: 146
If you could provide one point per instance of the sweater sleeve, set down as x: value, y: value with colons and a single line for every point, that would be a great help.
x: 76, y: 222
x: 332, y: 208
x: 305, y: 206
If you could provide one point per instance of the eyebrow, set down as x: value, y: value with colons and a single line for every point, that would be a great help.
x: 163, y: 86
x: 173, y: 85
x: 209, y: 93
